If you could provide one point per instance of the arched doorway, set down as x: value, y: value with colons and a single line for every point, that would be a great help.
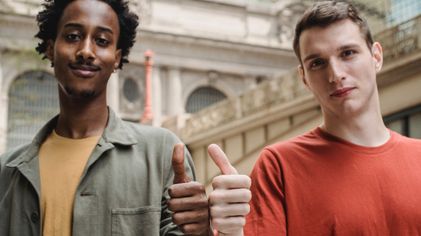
x: 203, y: 97
x: 33, y: 100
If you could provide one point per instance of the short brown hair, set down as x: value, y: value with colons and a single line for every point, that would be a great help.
x: 325, y: 13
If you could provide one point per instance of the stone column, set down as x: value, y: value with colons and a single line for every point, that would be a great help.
x: 147, y: 111
x: 113, y: 94
x: 174, y: 99
x: 3, y: 110
x: 156, y: 96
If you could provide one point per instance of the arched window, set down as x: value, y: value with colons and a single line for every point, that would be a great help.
x: 203, y: 97
x: 33, y: 100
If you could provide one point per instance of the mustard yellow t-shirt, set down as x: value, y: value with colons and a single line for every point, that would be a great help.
x: 62, y: 161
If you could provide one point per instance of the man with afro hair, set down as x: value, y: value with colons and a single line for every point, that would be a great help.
x: 87, y: 172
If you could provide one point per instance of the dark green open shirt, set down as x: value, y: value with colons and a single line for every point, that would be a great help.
x: 122, y: 191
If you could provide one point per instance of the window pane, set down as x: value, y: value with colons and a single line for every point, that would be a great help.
x: 396, y: 126
x: 203, y: 97
x: 415, y: 125
x: 33, y: 100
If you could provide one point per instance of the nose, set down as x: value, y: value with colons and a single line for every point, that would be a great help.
x: 336, y: 71
x: 86, y: 50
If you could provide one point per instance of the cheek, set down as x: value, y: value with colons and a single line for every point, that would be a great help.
x: 62, y: 53
x: 107, y: 56
x: 318, y: 81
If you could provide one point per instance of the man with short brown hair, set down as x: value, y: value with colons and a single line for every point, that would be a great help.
x: 351, y: 175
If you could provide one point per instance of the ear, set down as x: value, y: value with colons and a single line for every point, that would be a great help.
x: 49, y: 53
x: 117, y: 59
x: 377, y: 52
x: 300, y: 71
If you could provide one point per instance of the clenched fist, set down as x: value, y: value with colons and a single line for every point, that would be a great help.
x: 229, y: 201
x: 188, y: 202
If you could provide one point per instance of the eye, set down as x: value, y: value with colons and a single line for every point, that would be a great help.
x: 316, y: 63
x: 348, y: 53
x: 102, y: 42
x: 72, y: 37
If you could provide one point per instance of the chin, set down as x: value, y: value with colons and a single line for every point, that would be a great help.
x: 352, y: 109
x: 80, y: 93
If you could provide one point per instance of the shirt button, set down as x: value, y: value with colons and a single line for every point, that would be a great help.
x: 34, y: 217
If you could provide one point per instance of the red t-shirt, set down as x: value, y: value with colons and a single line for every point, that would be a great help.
x: 318, y: 184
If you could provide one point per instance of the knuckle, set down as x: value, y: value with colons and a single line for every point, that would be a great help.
x: 185, y: 229
x: 203, y: 215
x: 203, y: 202
x: 247, y: 195
x: 198, y: 187
x: 201, y: 188
x: 171, y: 190
x: 213, y: 197
x: 246, y: 209
x: 217, y: 222
x: 171, y: 204
x: 247, y: 181
x: 215, y: 210
x: 192, y: 229
x: 176, y: 219
x: 218, y: 181
x: 242, y: 221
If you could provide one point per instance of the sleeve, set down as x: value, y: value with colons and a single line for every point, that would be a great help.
x: 267, y: 213
x: 167, y: 227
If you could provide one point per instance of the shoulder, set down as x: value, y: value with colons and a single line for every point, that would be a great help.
x: 148, y: 131
x: 306, y: 141
x: 299, y: 150
x: 406, y: 141
x: 11, y: 155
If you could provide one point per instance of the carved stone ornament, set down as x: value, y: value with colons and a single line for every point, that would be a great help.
x: 287, y: 19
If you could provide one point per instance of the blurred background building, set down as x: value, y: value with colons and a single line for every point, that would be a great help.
x: 223, y: 72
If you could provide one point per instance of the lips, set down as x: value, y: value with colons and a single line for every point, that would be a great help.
x: 342, y: 92
x: 84, y: 71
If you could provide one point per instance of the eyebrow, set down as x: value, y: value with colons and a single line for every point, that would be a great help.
x: 311, y: 56
x: 76, y: 25
x: 342, y: 48
x: 348, y: 46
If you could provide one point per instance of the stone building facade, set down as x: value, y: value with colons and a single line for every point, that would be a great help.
x: 204, y: 51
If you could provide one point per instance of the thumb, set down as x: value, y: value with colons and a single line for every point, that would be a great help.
x: 178, y: 164
x: 221, y: 160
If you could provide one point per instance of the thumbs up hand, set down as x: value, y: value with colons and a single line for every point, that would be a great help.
x: 188, y: 202
x: 230, y: 197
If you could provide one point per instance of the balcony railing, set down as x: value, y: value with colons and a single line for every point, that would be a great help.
x: 265, y: 96
x: 399, y: 41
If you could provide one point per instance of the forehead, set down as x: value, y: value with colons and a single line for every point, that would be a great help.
x: 90, y: 13
x: 329, y: 38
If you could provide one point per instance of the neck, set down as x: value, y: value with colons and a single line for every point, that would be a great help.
x: 81, y: 118
x: 365, y: 129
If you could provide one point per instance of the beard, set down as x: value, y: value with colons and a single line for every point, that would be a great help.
x: 84, y: 94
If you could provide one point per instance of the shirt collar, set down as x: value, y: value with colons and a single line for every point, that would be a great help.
x: 116, y: 132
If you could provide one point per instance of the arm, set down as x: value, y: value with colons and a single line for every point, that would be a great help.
x: 267, y: 213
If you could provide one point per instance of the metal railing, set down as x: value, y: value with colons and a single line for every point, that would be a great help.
x: 268, y: 94
x: 400, y: 40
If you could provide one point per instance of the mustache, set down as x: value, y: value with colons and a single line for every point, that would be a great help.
x: 84, y: 65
